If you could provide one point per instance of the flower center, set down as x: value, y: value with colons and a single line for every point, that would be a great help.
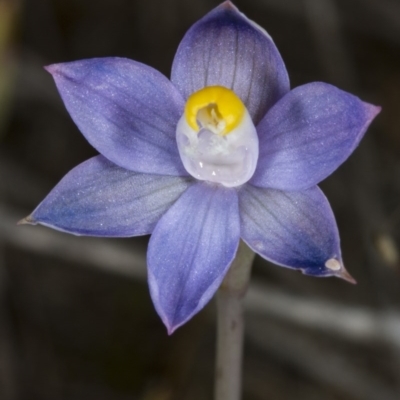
x: 216, y: 137
x: 215, y: 108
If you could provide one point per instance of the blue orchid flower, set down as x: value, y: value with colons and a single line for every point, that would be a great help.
x: 221, y: 152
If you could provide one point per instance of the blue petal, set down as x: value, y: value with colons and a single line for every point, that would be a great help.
x: 308, y: 134
x: 190, y: 251
x: 292, y: 229
x: 126, y: 110
x: 98, y: 198
x: 225, y: 48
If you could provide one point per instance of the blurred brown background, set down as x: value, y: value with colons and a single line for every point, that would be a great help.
x: 76, y: 320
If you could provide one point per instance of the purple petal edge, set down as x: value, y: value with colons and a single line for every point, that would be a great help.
x: 127, y: 111
x: 226, y: 48
x: 190, y: 251
x: 296, y: 230
x: 99, y: 198
x: 308, y: 134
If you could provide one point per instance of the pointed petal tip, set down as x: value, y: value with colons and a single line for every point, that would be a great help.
x: 51, y: 69
x: 171, y: 327
x: 170, y: 330
x: 56, y: 69
x: 228, y: 5
x: 374, y: 110
x: 26, y: 221
x: 336, y: 266
x: 343, y: 274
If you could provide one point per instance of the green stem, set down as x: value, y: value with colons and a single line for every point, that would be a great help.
x: 230, y: 326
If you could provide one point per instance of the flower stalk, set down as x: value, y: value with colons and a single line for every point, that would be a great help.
x: 230, y: 326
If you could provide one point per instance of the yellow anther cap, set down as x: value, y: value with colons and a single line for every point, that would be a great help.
x: 216, y: 108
